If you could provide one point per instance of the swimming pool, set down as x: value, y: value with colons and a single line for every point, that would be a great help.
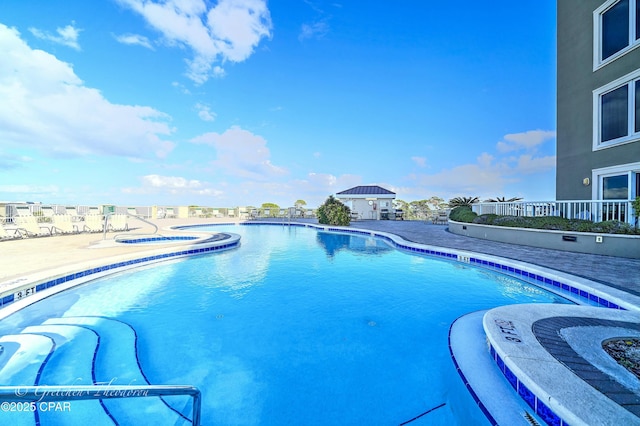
x: 297, y: 326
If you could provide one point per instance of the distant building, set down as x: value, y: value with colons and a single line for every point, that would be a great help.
x: 598, y: 100
x: 367, y: 202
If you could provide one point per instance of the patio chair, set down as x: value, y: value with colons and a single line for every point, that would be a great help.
x: 63, y: 224
x: 9, y: 233
x: 355, y: 215
x: 47, y: 214
x: 169, y: 213
x: 231, y: 213
x: 73, y: 212
x: 131, y: 211
x: 31, y: 226
x: 254, y: 214
x: 23, y: 211
x: 93, y: 223
x: 118, y: 222
x: 442, y: 218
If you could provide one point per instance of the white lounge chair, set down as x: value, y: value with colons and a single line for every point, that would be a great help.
x: 231, y: 213
x: 93, y: 223
x: 170, y: 213
x: 23, y: 211
x: 47, y: 214
x: 63, y: 224
x: 118, y: 222
x: 9, y: 233
x: 442, y: 217
x: 31, y: 226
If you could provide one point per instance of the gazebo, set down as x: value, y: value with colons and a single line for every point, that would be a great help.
x: 368, y: 202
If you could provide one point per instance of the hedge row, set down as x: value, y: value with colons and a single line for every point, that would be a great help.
x: 464, y: 214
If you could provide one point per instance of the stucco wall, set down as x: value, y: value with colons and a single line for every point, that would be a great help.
x: 576, y: 81
x: 611, y: 245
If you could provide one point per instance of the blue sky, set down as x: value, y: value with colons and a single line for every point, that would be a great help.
x: 241, y: 102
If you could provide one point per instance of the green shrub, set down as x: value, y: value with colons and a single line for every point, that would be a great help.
x: 333, y: 212
x: 462, y: 214
x: 485, y: 219
x: 555, y: 223
x: 615, y: 227
x: 513, y: 221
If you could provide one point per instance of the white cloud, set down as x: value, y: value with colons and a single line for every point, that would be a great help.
x: 134, y: 39
x: 204, y: 112
x: 527, y: 164
x: 241, y: 153
x: 526, y: 140
x: 315, y: 30
x: 420, y: 161
x: 230, y: 30
x: 30, y: 190
x: 67, y: 36
x: 153, y: 184
x: 45, y: 105
x: 493, y: 174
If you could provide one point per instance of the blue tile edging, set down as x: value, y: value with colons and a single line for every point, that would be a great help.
x: 536, y: 404
x: 29, y: 289
x: 549, y: 281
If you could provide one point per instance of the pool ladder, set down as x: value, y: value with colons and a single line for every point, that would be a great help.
x: 44, y: 394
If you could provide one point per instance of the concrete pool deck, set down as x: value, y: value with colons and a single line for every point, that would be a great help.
x: 38, y: 255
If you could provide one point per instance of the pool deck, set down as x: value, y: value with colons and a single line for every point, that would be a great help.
x: 37, y: 255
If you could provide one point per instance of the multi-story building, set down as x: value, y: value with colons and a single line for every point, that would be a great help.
x: 598, y: 103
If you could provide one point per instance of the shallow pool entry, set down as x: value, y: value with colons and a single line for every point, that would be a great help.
x: 297, y: 326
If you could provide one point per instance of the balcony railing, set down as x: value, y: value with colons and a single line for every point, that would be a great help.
x: 594, y: 210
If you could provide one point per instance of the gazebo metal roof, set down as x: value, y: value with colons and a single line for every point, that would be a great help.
x: 366, y: 190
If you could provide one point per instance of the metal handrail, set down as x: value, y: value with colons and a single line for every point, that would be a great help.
x: 106, y: 224
x: 38, y: 394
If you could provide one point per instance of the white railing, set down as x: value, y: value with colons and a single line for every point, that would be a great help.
x: 594, y: 210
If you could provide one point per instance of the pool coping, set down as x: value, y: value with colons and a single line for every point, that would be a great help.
x: 19, y: 292
x: 23, y: 291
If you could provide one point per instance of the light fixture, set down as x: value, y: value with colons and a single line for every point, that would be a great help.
x: 586, y: 181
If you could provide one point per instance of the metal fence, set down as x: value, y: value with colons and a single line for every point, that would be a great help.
x: 44, y: 212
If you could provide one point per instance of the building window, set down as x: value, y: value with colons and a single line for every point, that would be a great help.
x: 637, y: 107
x: 616, y: 30
x: 614, y: 116
x: 615, y: 187
x: 617, y: 112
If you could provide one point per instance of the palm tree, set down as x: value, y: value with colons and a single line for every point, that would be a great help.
x: 462, y: 201
x: 503, y: 200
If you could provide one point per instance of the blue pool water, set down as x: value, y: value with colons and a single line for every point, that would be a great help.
x: 297, y: 326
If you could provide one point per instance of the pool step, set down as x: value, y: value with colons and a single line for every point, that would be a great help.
x: 71, y: 363
x: 20, y: 362
x: 116, y: 363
